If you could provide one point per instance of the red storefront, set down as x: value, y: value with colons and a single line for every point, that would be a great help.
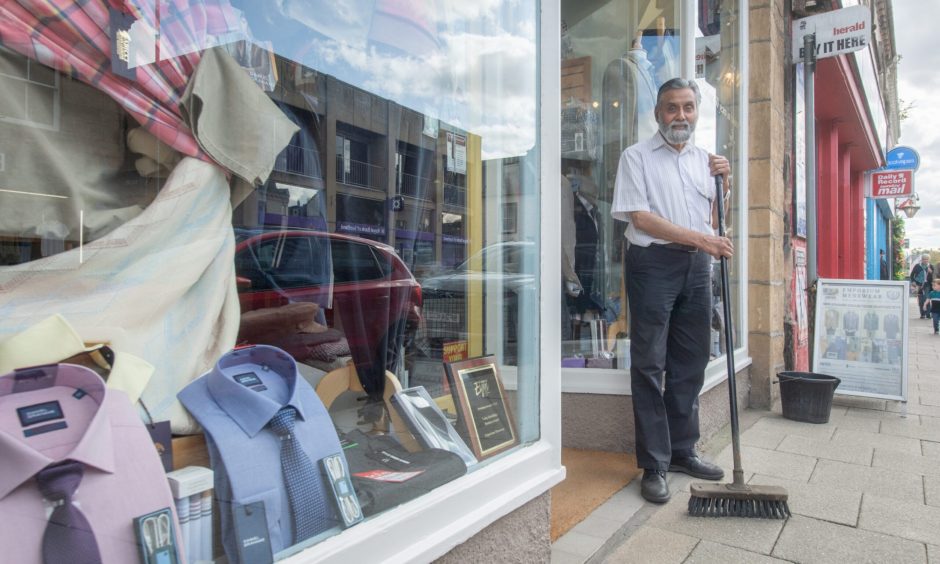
x: 847, y: 145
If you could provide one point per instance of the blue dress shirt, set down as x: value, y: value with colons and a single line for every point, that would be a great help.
x: 234, y: 402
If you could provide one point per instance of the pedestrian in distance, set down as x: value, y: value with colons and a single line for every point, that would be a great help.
x: 922, y: 279
x: 884, y: 266
x: 664, y: 190
x: 932, y: 305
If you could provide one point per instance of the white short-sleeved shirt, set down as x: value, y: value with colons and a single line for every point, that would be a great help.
x: 676, y: 185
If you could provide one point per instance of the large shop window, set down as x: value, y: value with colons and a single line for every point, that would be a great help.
x: 292, y: 240
x: 615, y: 55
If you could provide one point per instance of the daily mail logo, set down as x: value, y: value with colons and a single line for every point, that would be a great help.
x: 892, y: 183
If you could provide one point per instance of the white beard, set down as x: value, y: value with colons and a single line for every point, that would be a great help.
x: 677, y: 136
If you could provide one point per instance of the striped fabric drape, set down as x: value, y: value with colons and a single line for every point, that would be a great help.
x: 73, y: 36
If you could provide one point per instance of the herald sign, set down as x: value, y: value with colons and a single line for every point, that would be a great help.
x: 891, y: 183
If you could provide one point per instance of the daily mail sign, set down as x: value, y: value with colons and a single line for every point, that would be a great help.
x: 837, y: 32
x: 891, y: 183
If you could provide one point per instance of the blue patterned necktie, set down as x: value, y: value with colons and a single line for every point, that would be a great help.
x: 304, y: 487
x: 68, y: 536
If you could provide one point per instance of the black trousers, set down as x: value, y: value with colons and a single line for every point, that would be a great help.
x: 670, y: 308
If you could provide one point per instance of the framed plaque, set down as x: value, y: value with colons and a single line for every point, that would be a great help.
x: 481, y: 402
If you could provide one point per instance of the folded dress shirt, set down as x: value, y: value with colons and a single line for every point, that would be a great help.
x: 50, y: 414
x: 234, y: 403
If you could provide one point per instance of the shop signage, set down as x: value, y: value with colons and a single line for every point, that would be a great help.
x: 360, y: 228
x: 837, y: 32
x: 861, y: 336
x: 481, y: 401
x: 891, y: 183
x: 902, y: 157
x: 455, y: 351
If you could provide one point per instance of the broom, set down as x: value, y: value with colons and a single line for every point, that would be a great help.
x: 736, y: 499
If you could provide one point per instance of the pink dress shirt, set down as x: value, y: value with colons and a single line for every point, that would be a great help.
x: 123, y: 475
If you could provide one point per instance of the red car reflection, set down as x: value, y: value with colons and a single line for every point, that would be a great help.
x: 362, y: 287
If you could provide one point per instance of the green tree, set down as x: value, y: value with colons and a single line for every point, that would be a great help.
x: 897, y: 243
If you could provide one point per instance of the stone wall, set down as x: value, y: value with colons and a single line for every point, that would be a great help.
x: 768, y: 202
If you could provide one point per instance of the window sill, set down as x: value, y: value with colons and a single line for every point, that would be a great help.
x: 428, y: 527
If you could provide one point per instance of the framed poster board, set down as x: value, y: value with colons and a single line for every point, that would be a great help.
x: 861, y: 336
x: 482, y: 406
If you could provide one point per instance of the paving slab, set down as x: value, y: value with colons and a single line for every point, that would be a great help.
x: 654, y: 546
x: 915, y: 408
x: 861, y: 439
x: 930, y: 449
x: 932, y: 492
x: 888, y: 482
x: 622, y: 505
x: 909, y: 520
x: 933, y: 554
x: 596, y: 526
x: 907, y: 462
x: 874, y: 413
x: 855, y: 401
x: 930, y: 398
x: 561, y: 557
x: 756, y: 535
x: 713, y: 553
x: 770, y: 462
x: 578, y: 544
x: 777, y: 424
x: 929, y: 386
x: 856, y: 423
x: 918, y: 429
x: 816, y: 500
x: 763, y: 438
x: 825, y: 449
x: 810, y: 540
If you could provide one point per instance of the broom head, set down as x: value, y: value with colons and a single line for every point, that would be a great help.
x: 731, y: 500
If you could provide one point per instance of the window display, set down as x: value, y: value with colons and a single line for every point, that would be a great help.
x: 264, y: 228
x: 615, y: 56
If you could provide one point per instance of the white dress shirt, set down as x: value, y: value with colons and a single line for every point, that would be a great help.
x: 652, y: 176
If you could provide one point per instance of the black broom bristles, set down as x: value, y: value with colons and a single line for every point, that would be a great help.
x: 769, y: 508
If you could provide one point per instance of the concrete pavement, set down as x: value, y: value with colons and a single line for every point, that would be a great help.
x: 864, y: 487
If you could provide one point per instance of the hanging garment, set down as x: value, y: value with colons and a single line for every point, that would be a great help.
x: 160, y: 287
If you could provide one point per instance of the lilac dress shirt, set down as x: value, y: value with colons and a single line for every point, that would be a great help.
x: 234, y: 402
x: 123, y: 476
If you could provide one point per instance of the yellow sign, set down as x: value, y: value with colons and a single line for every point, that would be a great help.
x: 454, y: 351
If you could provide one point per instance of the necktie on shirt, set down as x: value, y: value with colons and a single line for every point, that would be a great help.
x: 304, y: 487
x: 68, y: 536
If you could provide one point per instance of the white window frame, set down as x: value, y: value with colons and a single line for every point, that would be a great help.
x: 428, y: 527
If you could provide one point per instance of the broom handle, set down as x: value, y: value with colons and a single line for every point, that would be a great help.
x: 729, y: 339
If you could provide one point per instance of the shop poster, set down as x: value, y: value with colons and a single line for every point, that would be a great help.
x: 861, y: 336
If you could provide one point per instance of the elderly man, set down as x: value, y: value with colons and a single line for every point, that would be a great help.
x: 921, y: 278
x: 665, y: 192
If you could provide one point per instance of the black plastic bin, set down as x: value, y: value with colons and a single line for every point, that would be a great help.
x: 807, y: 396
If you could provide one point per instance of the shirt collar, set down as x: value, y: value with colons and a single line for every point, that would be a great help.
x: 657, y: 141
x: 19, y: 462
x: 252, y: 410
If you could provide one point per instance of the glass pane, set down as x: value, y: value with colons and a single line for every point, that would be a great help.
x: 614, y: 57
x: 318, y: 222
x: 718, y: 78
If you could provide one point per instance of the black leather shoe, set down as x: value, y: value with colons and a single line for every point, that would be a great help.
x: 653, y: 487
x: 697, y: 468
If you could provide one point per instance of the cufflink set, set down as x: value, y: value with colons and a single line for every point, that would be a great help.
x: 156, y: 538
x: 342, y: 488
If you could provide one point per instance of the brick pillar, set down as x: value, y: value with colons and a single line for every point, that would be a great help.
x: 767, y: 200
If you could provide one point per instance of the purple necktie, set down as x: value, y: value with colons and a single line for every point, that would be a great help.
x: 68, y: 536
